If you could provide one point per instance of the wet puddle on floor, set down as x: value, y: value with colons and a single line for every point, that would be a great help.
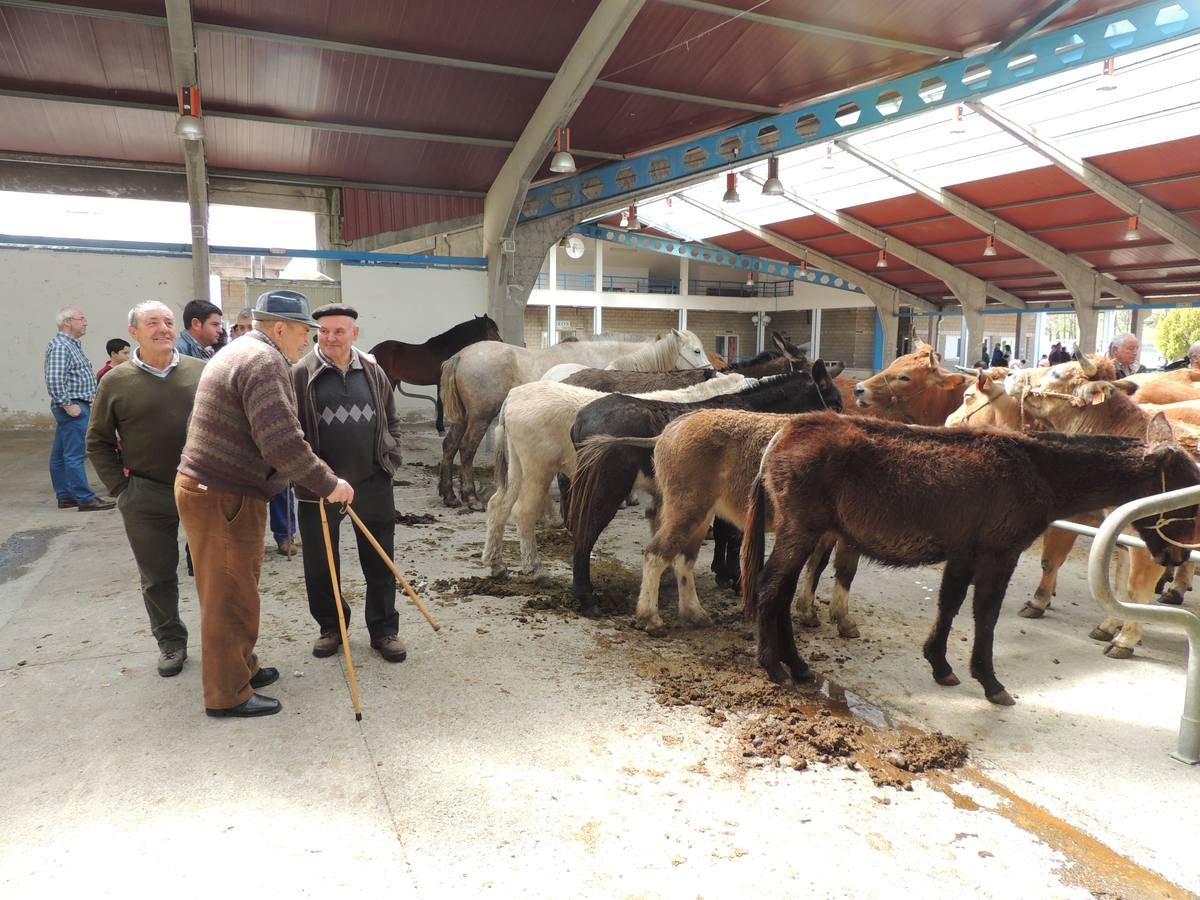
x: 23, y: 549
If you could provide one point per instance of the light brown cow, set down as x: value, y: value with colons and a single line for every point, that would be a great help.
x: 914, y: 389
x: 985, y: 402
x: 1178, y: 386
x: 1067, y: 401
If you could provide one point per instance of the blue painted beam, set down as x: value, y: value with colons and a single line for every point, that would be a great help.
x: 941, y: 85
x: 166, y: 249
x: 715, y: 255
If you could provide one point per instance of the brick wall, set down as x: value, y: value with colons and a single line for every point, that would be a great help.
x: 849, y: 335
x: 706, y: 325
x: 619, y: 323
x: 795, y: 325
x: 535, y: 327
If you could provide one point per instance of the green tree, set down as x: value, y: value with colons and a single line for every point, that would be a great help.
x: 1175, y: 332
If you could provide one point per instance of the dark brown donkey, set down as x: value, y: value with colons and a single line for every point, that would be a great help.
x: 609, y: 466
x: 911, y: 496
x: 422, y: 363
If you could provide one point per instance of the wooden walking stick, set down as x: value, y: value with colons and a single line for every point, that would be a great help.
x: 400, y: 579
x: 337, y: 599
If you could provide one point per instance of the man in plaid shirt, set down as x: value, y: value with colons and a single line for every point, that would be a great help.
x: 72, y: 388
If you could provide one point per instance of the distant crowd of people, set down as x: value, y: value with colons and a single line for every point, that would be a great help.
x: 206, y: 430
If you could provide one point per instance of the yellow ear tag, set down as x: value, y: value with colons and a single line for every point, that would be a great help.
x: 1097, y: 398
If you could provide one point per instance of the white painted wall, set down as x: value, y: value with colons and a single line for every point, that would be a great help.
x: 38, y: 283
x: 411, y: 305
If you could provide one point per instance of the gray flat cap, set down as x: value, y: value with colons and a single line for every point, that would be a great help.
x: 287, y: 306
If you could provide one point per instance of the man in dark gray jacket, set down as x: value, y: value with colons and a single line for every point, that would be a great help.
x: 348, y: 414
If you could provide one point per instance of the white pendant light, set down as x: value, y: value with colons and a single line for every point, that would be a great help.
x: 731, y: 194
x: 772, y: 187
x: 563, y: 162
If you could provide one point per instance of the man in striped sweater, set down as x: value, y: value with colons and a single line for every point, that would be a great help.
x: 244, y: 444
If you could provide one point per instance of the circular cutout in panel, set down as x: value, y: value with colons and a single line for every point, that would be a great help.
x: 768, y: 137
x: 592, y: 187
x: 807, y: 125
x: 730, y: 148
x: 660, y: 168
x: 625, y: 178
x: 694, y: 157
x: 561, y: 196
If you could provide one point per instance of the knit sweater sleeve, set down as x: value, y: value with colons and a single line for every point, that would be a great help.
x: 270, y: 407
x: 102, y: 448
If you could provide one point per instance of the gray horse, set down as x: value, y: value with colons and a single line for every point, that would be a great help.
x: 476, y: 380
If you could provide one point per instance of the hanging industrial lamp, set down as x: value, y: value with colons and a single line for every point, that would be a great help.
x: 772, y: 187
x: 957, y: 125
x: 882, y: 261
x: 562, y: 161
x: 1132, y: 231
x: 189, y: 126
x: 750, y: 278
x: 634, y: 224
x: 1108, y: 75
x: 989, y: 249
x: 624, y: 218
x: 731, y: 194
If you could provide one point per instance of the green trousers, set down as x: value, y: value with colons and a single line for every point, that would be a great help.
x: 152, y: 526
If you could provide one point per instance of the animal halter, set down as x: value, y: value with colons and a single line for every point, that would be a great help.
x: 1164, y: 520
x: 979, y: 408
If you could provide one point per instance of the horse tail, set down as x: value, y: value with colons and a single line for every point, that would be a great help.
x: 500, y: 462
x: 452, y: 405
x: 754, y: 546
x: 588, y: 471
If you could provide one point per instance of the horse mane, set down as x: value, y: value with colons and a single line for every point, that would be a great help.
x: 654, y: 356
x: 765, y: 356
x: 726, y: 383
x: 471, y: 326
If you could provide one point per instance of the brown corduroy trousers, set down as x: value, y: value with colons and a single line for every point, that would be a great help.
x: 225, y: 533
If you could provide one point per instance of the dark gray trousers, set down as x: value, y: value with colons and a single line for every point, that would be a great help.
x: 152, y: 526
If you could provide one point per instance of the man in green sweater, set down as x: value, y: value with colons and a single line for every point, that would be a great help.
x: 134, y: 440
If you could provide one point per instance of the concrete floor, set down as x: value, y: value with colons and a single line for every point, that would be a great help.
x: 530, y: 758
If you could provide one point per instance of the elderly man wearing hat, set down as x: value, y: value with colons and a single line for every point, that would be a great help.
x: 348, y: 413
x: 244, y: 444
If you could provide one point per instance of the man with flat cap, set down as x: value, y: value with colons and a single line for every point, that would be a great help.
x: 244, y: 444
x: 348, y: 414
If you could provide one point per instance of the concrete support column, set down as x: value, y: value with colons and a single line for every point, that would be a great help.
x: 551, y: 325
x: 599, y: 267
x: 682, y: 326
x: 684, y: 278
x: 329, y: 233
x: 197, y: 189
x: 1086, y: 292
x: 519, y: 272
x: 814, y: 347
x: 552, y: 269
x: 972, y: 298
x: 1135, y: 316
x: 760, y: 332
x: 598, y: 320
x: 1018, y: 347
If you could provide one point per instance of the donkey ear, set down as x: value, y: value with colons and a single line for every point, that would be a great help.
x: 1126, y: 386
x: 820, y: 374
x: 1159, y: 430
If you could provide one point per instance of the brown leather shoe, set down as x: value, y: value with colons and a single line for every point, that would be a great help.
x: 288, y: 548
x: 327, y: 644
x: 98, y: 503
x: 390, y: 647
x: 69, y: 503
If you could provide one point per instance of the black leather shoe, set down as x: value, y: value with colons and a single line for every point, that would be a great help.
x: 264, y: 676
x: 257, y: 705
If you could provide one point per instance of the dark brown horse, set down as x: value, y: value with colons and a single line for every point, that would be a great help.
x: 910, y: 496
x: 422, y: 363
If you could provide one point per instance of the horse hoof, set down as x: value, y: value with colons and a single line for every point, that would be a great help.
x: 451, y: 501
x: 810, y: 622
x: 848, y: 631
x: 777, y: 674
x: 702, y: 620
x: 1099, y: 634
x: 723, y: 581
x: 1003, y: 698
x: 949, y: 680
x: 1112, y: 651
x: 1171, y: 596
x: 1029, y: 611
x: 589, y: 610
x: 499, y: 570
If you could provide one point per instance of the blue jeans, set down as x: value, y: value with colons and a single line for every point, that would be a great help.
x: 68, y: 454
x: 282, y: 511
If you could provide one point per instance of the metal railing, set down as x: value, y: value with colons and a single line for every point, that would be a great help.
x: 644, y: 284
x: 1105, y: 539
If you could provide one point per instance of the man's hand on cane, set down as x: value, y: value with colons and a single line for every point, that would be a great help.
x: 343, y: 493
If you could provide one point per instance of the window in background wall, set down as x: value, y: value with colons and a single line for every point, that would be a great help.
x: 727, y: 346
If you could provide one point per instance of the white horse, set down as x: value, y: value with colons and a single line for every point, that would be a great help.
x: 476, y: 380
x: 534, y: 444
